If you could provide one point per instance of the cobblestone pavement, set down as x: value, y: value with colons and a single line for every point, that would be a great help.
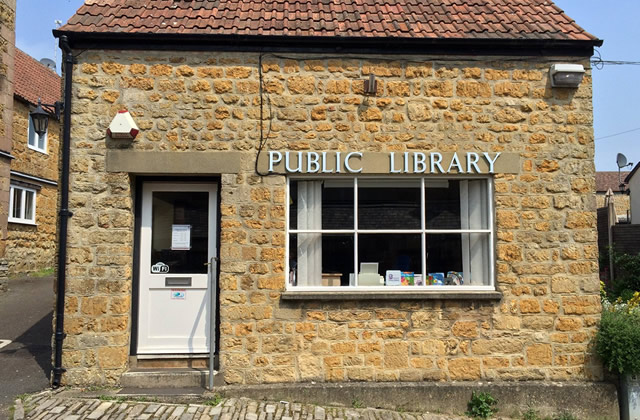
x: 55, y: 406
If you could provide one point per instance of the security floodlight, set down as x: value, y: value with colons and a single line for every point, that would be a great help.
x: 566, y: 75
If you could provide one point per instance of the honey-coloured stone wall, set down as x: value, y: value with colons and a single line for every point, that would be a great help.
x: 546, y: 255
x: 32, y: 248
x: 7, y: 52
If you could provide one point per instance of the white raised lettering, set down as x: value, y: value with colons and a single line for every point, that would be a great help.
x: 472, y: 160
x: 405, y: 169
x: 324, y: 164
x: 491, y: 162
x: 313, y: 159
x: 392, y: 164
x: 338, y: 162
x: 455, y: 162
x: 419, y: 162
x: 436, y: 159
x: 274, y: 157
x: 287, y: 162
x: 347, y: 166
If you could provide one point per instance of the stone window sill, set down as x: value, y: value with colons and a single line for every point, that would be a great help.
x: 377, y: 295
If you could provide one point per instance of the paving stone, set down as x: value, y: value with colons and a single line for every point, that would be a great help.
x: 215, y: 410
x: 319, y: 413
x: 100, y: 411
x: 177, y: 413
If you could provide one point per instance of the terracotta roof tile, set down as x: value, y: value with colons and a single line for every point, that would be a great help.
x: 609, y: 179
x: 34, y: 80
x: 496, y: 19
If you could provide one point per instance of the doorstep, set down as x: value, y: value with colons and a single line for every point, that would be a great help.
x: 168, y: 378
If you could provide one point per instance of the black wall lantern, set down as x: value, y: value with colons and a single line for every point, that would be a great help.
x: 40, y: 116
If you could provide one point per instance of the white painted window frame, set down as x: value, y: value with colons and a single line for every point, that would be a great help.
x: 423, y: 231
x: 23, y: 197
x: 32, y: 135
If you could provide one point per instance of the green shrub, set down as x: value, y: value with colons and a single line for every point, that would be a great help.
x: 530, y: 414
x: 565, y: 416
x: 481, y: 406
x: 626, y: 276
x: 618, y: 341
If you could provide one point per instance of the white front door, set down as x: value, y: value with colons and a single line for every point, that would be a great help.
x: 177, y: 242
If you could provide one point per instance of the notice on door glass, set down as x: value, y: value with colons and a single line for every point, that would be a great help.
x: 180, y: 237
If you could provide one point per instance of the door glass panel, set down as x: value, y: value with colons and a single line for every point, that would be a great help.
x: 179, y: 232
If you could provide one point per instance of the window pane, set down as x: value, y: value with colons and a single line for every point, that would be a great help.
x: 324, y: 204
x: 389, y: 204
x: 456, y: 204
x: 16, y: 211
x: 458, y: 259
x: 41, y: 141
x: 442, y: 202
x: 320, y: 259
x: 29, y: 204
x: 397, y: 252
x: 32, y: 134
x: 180, y: 208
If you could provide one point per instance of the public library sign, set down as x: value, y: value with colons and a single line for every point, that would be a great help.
x: 287, y: 162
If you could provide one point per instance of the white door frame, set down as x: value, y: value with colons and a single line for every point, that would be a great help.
x: 150, y: 337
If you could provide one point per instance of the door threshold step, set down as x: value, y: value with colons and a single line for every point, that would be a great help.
x: 168, y: 378
x: 162, y: 392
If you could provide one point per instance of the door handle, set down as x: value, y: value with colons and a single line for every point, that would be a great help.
x: 213, y: 259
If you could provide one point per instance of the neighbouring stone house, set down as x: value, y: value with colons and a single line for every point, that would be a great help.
x: 380, y: 192
x: 7, y: 51
x: 31, y: 232
x: 633, y: 184
x: 606, y: 180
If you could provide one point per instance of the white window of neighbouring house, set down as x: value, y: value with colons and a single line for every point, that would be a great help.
x: 36, y: 142
x: 22, y: 205
x: 390, y: 233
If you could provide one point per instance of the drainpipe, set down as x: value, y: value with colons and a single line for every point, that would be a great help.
x: 64, y: 213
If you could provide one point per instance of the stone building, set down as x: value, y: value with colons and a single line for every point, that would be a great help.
x: 606, y: 180
x: 7, y: 48
x: 388, y: 192
x: 633, y: 182
x: 31, y: 232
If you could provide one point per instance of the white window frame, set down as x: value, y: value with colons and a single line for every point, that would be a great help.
x: 423, y: 231
x: 32, y: 135
x: 23, y: 197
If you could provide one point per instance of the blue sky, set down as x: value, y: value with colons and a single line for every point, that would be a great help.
x: 616, y: 89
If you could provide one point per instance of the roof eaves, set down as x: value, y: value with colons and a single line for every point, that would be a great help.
x: 632, y: 173
x: 387, y: 44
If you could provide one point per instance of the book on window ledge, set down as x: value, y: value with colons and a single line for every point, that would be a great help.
x: 418, y: 280
x: 436, y: 279
x: 406, y: 278
x: 454, y: 278
x: 393, y: 278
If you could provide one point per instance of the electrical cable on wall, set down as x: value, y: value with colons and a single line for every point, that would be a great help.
x: 598, y: 63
